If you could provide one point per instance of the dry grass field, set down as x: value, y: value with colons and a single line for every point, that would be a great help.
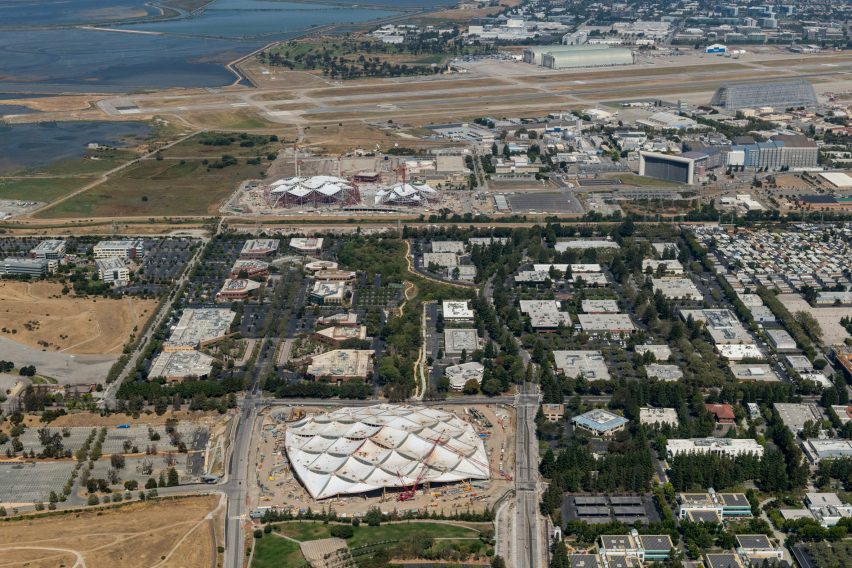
x: 166, y: 534
x: 40, y: 314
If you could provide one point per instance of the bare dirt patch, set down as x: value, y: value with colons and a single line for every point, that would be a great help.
x: 139, y: 534
x: 42, y: 317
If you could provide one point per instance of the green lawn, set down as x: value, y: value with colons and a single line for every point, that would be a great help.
x: 93, y: 163
x: 39, y: 189
x: 642, y: 181
x: 159, y: 188
x: 275, y: 552
x: 312, y: 530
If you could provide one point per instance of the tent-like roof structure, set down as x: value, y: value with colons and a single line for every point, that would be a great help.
x: 406, y: 194
x: 311, y: 189
x: 354, y: 450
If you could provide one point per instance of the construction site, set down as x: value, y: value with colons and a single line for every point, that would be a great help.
x: 376, y: 183
x: 395, y: 457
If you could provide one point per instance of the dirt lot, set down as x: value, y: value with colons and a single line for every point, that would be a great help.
x: 40, y: 313
x: 168, y: 533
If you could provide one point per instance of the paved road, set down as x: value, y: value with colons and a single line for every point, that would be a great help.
x: 528, y: 549
x: 235, y: 486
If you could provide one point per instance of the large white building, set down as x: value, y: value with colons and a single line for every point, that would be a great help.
x: 731, y: 447
x: 355, y: 450
x: 123, y: 249
x: 112, y: 270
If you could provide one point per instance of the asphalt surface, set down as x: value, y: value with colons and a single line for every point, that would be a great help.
x: 528, y: 549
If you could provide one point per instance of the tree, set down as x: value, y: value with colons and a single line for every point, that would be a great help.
x: 342, y: 531
x: 93, y: 500
x: 117, y: 461
x: 174, y: 478
x: 492, y: 387
x: 151, y: 483
x: 471, y: 386
x: 373, y: 517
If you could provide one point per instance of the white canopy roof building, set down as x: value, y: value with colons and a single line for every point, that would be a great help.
x: 407, y: 194
x: 316, y: 190
x: 355, y: 450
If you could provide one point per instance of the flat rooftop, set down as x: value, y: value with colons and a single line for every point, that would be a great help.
x: 590, y: 364
x: 648, y: 415
x: 342, y: 363
x: 260, y: 246
x: 606, y: 322
x: 180, y: 364
x: 582, y: 244
x: 458, y: 340
x: 452, y: 309
x: 199, y: 325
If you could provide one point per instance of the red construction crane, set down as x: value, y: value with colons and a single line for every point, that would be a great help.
x: 409, y: 492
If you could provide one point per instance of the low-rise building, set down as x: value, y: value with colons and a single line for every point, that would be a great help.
x: 457, y: 341
x: 330, y: 293
x: 599, y: 306
x: 125, y: 249
x: 319, y: 265
x: 723, y: 560
x: 795, y: 416
x: 677, y: 289
x: 662, y: 267
x: 178, y: 365
x: 443, y: 260
x: 456, y: 311
x: 342, y: 365
x: 587, y: 364
x: 112, y: 270
x: 606, y: 323
x: 663, y: 372
x: 259, y: 248
x: 460, y: 374
x: 757, y: 548
x: 553, y: 412
x: 250, y: 268
x: 456, y: 247
x: 338, y: 334
x: 583, y: 244
x: 50, y: 249
x: 731, y: 447
x: 658, y: 416
x: 818, y: 450
x: 600, y: 422
x: 237, y: 289
x: 723, y: 413
x: 199, y: 327
x: 753, y: 372
x: 660, y: 352
x: 780, y: 340
x: 17, y: 266
x: 306, y: 245
x: 545, y: 315
x: 335, y: 276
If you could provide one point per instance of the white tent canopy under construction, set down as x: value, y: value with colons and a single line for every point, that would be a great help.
x: 355, y: 450
x: 316, y: 188
x: 406, y: 194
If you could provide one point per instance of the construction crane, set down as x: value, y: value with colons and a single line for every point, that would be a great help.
x: 409, y: 492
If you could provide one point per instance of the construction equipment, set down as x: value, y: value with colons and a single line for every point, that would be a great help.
x: 409, y: 492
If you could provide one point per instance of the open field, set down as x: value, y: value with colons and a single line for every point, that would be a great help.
x: 159, y: 188
x: 303, y: 531
x: 45, y: 189
x: 166, y: 533
x: 39, y: 314
x: 273, y: 551
x: 194, y: 148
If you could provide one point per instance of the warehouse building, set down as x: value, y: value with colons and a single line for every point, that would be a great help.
x: 794, y: 416
x: 677, y: 289
x: 780, y: 340
x: 781, y: 94
x: 113, y: 271
x: 123, y: 249
x: 817, y: 449
x: 583, y: 244
x: 753, y: 372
